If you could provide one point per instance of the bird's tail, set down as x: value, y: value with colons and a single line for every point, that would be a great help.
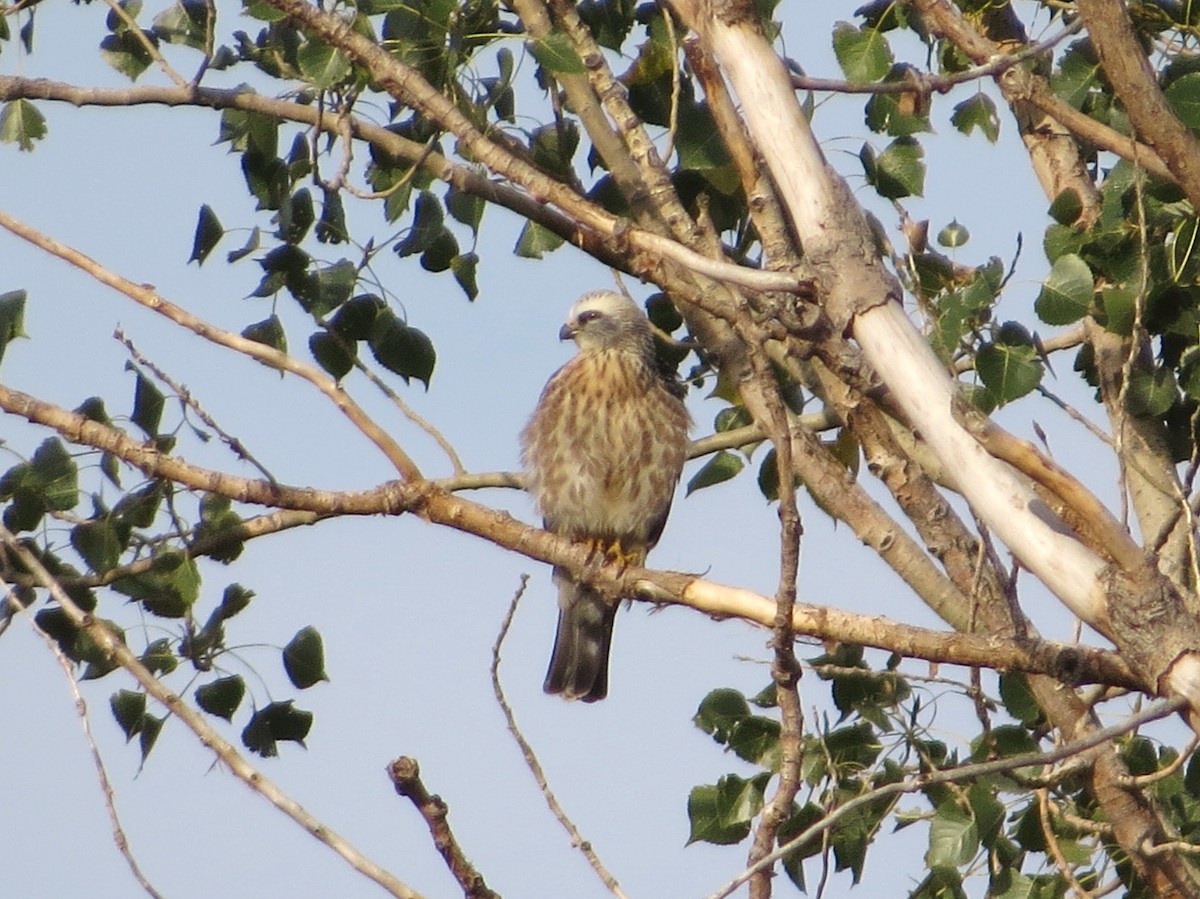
x: 579, y: 665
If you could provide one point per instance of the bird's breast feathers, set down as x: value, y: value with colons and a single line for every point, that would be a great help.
x: 605, y: 448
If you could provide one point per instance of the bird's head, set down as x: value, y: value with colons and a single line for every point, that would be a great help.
x: 603, y: 320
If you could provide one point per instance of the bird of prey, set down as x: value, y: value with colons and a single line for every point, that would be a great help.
x: 603, y: 453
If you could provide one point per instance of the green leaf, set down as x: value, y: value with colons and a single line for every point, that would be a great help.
x: 126, y: 53
x: 463, y: 267
x: 296, y: 216
x: 139, y: 508
x: 427, y: 227
x: 222, y: 696
x: 22, y: 124
x: 129, y: 708
x: 953, y: 235
x: 304, y: 659
x: 277, y: 721
x: 977, y: 112
x: 208, y: 233
x: 898, y: 171
x: 863, y: 55
x: 1018, y: 698
x: 332, y: 354
x: 97, y: 542
x: 269, y: 331
x: 953, y: 837
x: 355, y: 320
x: 720, y: 712
x: 1009, y: 372
x: 556, y: 54
x: 233, y: 600
x: 12, y: 318
x: 465, y: 208
x: 721, y: 467
x: 322, y: 65
x: 899, y: 114
x: 159, y: 658
x: 147, y: 405
x: 402, y: 349
x: 722, y: 813
x: 1184, y: 96
x: 55, y: 475
x: 756, y: 740
x: 1066, y: 207
x: 331, y: 227
x: 1066, y: 296
x: 535, y: 241
x: 148, y: 735
x: 1152, y: 393
x: 183, y: 23
x: 440, y: 254
x: 169, y: 588
x: 326, y: 288
x: 219, y: 522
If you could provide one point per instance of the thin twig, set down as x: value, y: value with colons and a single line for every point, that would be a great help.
x: 952, y: 775
x: 531, y: 760
x: 927, y: 82
x: 110, y: 800
x: 405, y: 775
x: 185, y: 397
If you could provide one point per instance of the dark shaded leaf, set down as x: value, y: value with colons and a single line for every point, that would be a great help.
x: 222, y: 696
x: 332, y: 354
x: 277, y: 721
x: 269, y: 331
x: 129, y: 708
x: 402, y: 349
x: 208, y: 233
x: 97, y: 542
x: 304, y: 659
x: 463, y: 267
x: 12, y: 318
x: 147, y: 405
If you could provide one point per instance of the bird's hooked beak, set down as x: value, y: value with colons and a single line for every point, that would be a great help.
x: 568, y: 331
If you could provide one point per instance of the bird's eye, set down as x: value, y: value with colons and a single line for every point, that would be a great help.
x: 589, y: 316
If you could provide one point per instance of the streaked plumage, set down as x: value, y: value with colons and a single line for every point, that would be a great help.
x: 603, y: 453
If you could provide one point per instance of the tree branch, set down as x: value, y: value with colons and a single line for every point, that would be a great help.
x: 405, y: 775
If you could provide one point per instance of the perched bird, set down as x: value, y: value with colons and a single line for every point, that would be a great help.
x: 603, y: 452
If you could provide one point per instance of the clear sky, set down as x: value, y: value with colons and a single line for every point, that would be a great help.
x: 409, y: 611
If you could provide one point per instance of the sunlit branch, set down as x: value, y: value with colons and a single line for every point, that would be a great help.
x: 407, y: 85
x: 437, y: 505
x: 117, y: 651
